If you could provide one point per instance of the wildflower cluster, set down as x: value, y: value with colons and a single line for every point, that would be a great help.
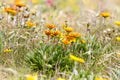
x: 50, y: 32
x: 69, y: 36
x: 32, y: 37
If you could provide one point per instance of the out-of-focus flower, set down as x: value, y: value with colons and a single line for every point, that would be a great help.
x: 47, y: 32
x: 26, y: 16
x: 60, y: 79
x: 118, y: 38
x: 105, y: 14
x: 73, y: 40
x: 32, y: 77
x: 10, y: 10
x: 72, y: 57
x: 75, y: 34
x: 72, y: 37
x: 99, y: 78
x: 30, y: 24
x: 64, y: 26
x: 52, y: 33
x: 117, y: 23
x: 68, y: 29
x: 33, y: 12
x: 56, y: 33
x: 65, y: 41
x: 69, y: 37
x: 62, y: 35
x: 83, y: 41
x: 50, y: 26
x: 7, y: 50
x: 49, y: 2
x: 18, y: 3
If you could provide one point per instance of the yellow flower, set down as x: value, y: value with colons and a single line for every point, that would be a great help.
x: 105, y: 14
x: 50, y: 26
x: 72, y: 57
x: 83, y: 41
x: 62, y: 35
x: 98, y: 78
x: 68, y: 29
x: 73, y: 40
x: 32, y: 77
x: 7, y: 50
x: 118, y: 38
x: 30, y: 24
x: 64, y: 26
x: 11, y: 11
x: 117, y: 23
x: 65, y: 41
x: 60, y: 79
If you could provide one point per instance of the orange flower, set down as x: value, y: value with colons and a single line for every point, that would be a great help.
x: 75, y: 34
x: 68, y: 29
x: 52, y: 33
x: 10, y: 10
x: 50, y: 26
x: 105, y: 14
x: 68, y: 37
x: 56, y: 33
x: 47, y: 32
x: 18, y: 3
x: 65, y: 41
x: 72, y: 37
x: 30, y: 24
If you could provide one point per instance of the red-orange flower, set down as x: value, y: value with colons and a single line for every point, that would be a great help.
x: 56, y: 33
x: 50, y: 26
x: 65, y: 41
x: 48, y: 32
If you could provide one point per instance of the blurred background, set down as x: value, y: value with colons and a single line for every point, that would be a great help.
x: 73, y: 4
